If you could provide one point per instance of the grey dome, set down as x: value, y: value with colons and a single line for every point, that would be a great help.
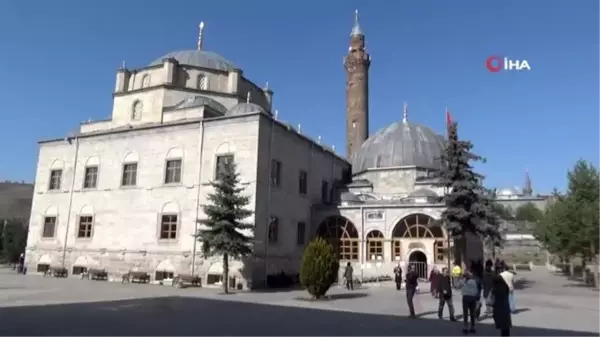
x: 400, y: 144
x: 244, y: 109
x: 197, y: 101
x: 508, y: 192
x: 198, y: 58
x: 423, y: 193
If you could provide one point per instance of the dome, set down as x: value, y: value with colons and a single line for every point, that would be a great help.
x: 423, y: 193
x: 244, y: 109
x: 198, y: 58
x: 350, y: 197
x: 197, y: 101
x: 400, y: 144
x: 508, y: 192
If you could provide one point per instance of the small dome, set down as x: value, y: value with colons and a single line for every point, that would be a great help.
x: 423, y: 193
x: 508, y: 192
x: 197, y: 101
x: 198, y: 58
x: 400, y: 144
x: 244, y: 109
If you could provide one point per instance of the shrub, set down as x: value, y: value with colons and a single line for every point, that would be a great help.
x: 319, y: 267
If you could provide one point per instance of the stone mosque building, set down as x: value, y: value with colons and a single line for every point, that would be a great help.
x: 124, y: 193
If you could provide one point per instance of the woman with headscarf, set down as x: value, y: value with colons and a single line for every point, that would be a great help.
x: 501, y: 305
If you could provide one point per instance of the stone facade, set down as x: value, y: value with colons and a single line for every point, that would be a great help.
x: 357, y: 64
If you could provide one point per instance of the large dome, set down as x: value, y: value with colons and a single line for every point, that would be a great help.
x: 198, y: 58
x: 400, y: 144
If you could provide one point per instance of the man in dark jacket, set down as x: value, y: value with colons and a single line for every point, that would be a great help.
x: 411, y: 288
x: 398, y: 276
x: 445, y: 291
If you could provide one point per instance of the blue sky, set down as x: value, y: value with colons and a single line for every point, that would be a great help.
x: 58, y: 62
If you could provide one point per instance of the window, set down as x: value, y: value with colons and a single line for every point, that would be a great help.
x: 168, y: 227
x: 222, y: 162
x: 273, y: 230
x: 375, y: 246
x: 342, y: 235
x: 85, y: 227
x: 439, y: 251
x: 301, y: 233
x: 42, y: 267
x: 146, y: 81
x: 161, y: 275
x: 129, y: 175
x: 324, y: 191
x: 173, y: 171
x: 136, y: 113
x: 275, y: 173
x: 55, y: 179
x: 303, y: 182
x: 78, y: 270
x: 202, y: 82
x: 396, y: 250
x: 346, y: 176
x: 91, y: 177
x: 49, y: 227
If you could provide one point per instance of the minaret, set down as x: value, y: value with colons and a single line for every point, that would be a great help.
x: 527, y: 189
x: 357, y: 90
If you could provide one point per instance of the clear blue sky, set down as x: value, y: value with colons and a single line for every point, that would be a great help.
x: 58, y: 62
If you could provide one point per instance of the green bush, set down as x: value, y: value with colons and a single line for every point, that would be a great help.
x: 319, y: 267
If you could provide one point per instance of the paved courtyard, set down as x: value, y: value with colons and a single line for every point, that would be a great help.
x: 33, y: 305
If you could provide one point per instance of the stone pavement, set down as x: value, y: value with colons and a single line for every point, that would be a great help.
x: 33, y: 305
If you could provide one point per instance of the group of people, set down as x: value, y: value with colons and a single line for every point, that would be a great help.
x: 492, y: 286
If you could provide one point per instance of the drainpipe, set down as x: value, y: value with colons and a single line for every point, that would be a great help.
x: 362, y: 243
x: 64, y: 255
x: 200, y: 155
x: 269, y: 218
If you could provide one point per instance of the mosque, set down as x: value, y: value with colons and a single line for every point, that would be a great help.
x: 124, y: 193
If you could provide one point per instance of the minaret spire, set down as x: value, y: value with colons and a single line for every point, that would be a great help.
x: 527, y: 189
x: 200, y: 35
x: 356, y: 31
x: 405, y: 114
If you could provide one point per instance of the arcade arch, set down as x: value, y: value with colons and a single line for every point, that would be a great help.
x: 342, y: 235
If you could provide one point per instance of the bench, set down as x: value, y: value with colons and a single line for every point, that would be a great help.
x: 95, y: 274
x: 56, y: 272
x: 136, y: 277
x: 184, y: 279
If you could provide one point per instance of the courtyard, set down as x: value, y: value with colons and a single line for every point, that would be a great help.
x: 33, y: 305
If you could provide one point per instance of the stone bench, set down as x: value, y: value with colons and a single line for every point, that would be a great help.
x: 95, y: 274
x: 182, y: 280
x: 136, y: 277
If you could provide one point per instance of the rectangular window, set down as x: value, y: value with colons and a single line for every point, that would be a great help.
x: 173, y: 171
x: 91, y: 177
x: 85, y: 227
x: 55, y: 180
x: 129, y: 175
x: 49, y: 227
x: 78, y: 270
x: 273, y: 234
x: 275, y: 173
x: 168, y: 227
x: 303, y: 182
x: 222, y: 162
x: 324, y: 191
x: 301, y: 233
x: 439, y: 251
x: 396, y: 250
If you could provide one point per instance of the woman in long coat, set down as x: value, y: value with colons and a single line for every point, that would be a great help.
x: 502, y: 314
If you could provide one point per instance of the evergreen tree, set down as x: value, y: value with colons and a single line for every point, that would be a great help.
x: 225, y: 233
x: 14, y: 239
x: 469, y: 217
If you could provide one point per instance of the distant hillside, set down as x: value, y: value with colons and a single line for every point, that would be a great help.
x: 15, y: 199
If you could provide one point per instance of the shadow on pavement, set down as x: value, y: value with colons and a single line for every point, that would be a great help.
x: 523, y: 284
x: 185, y: 316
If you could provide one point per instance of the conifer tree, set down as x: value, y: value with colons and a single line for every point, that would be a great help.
x: 225, y: 233
x: 469, y: 216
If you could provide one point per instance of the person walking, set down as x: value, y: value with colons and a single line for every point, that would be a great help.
x: 348, y: 274
x: 398, y: 276
x: 488, y: 284
x: 433, y: 282
x: 456, y: 273
x: 500, y: 302
x: 509, y: 278
x: 412, y: 283
x: 470, y: 296
x: 445, y: 294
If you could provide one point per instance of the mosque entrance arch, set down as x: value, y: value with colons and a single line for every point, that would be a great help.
x: 418, y: 261
x: 342, y: 235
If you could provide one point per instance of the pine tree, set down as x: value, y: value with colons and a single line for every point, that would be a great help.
x: 469, y: 217
x: 225, y: 233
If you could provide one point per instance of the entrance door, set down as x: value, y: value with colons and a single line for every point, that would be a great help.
x: 418, y: 260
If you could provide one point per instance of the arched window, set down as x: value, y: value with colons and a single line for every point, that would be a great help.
x: 146, y: 81
x: 136, y: 113
x: 202, y: 82
x: 375, y: 246
x: 342, y: 235
x: 414, y: 226
x: 273, y: 234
